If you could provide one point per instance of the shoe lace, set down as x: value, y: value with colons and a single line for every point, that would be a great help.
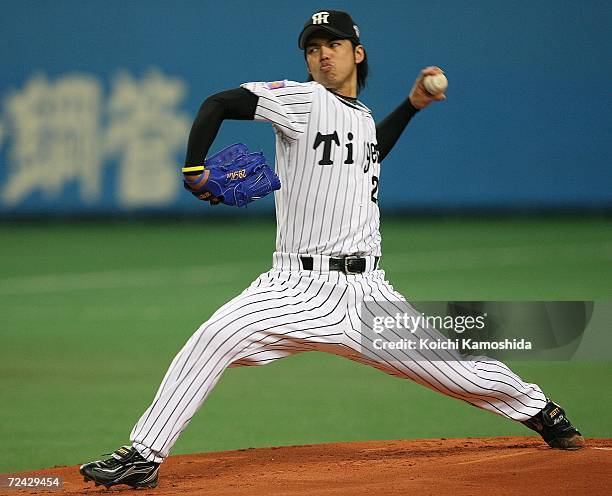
x: 113, y: 462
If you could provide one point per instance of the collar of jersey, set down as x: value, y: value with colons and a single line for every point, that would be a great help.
x: 351, y: 102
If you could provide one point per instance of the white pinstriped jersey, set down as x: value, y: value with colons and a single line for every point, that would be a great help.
x: 327, y: 162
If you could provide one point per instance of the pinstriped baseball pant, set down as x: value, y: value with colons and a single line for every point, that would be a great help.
x: 288, y: 310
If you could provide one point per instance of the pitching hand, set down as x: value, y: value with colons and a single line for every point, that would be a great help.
x: 419, y: 97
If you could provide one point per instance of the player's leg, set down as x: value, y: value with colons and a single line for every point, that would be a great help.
x: 480, y: 381
x: 281, y: 313
x: 218, y: 343
x: 253, y: 328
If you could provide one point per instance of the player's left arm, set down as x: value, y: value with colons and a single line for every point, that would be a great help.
x: 391, y: 127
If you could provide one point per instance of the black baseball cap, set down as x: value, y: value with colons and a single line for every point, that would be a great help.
x: 336, y: 22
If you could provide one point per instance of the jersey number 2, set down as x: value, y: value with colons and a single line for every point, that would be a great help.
x: 374, y: 189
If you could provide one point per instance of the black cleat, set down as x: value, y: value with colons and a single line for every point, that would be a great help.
x: 125, y: 466
x: 555, y: 428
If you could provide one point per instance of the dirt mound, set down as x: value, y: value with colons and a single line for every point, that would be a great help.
x: 501, y: 466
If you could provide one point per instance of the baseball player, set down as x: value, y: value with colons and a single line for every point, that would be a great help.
x: 326, y: 264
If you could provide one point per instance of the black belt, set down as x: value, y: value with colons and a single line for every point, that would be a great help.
x: 348, y: 265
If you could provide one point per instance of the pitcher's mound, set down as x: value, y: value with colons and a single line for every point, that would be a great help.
x: 503, y: 466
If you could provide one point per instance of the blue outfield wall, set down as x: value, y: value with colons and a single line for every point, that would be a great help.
x: 97, y: 98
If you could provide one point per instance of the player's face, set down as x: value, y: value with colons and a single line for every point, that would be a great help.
x: 333, y: 63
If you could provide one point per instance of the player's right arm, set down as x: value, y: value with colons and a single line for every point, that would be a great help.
x: 238, y: 104
x: 285, y: 104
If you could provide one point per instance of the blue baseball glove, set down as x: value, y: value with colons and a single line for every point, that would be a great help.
x: 233, y: 176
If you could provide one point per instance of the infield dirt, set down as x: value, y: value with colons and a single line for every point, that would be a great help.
x: 502, y: 465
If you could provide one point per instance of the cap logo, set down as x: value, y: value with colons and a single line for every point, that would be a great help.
x: 320, y: 18
x: 356, y: 30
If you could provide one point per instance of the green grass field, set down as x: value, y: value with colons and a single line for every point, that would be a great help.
x: 92, y: 314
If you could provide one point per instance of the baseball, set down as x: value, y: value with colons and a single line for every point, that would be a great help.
x: 435, y: 84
